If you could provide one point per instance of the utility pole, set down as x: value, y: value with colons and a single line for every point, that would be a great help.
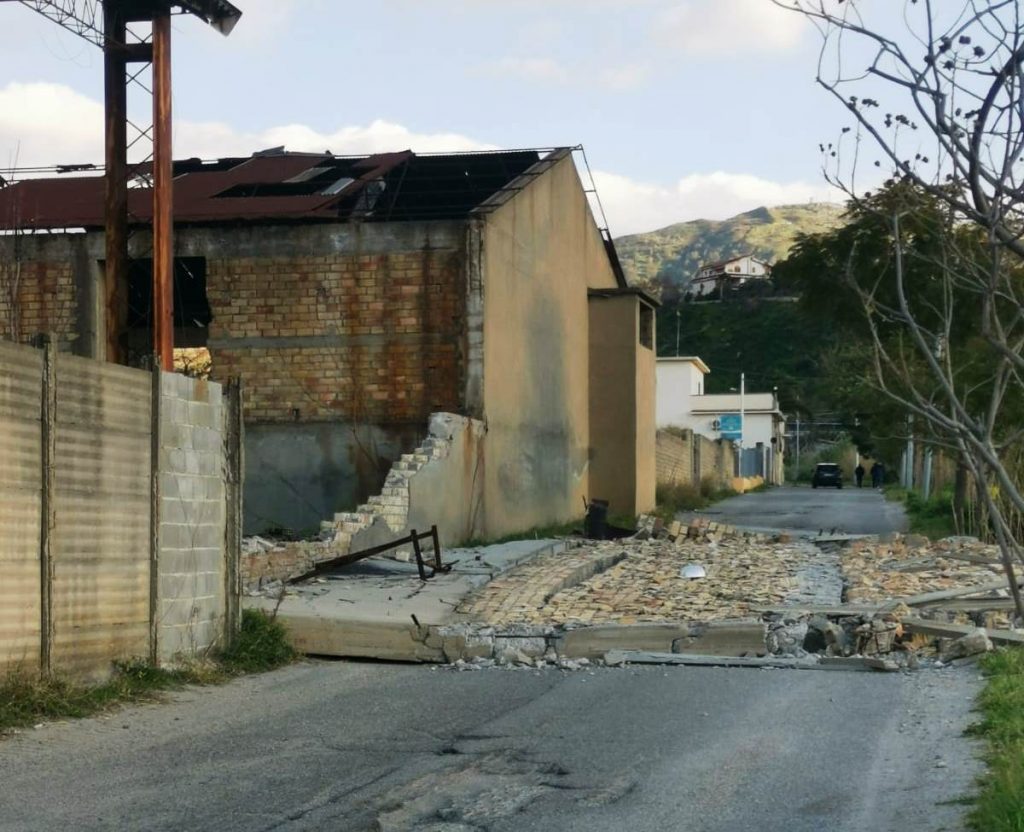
x: 111, y: 26
x: 163, y: 196
x: 743, y: 382
x: 798, y: 442
x: 677, y: 332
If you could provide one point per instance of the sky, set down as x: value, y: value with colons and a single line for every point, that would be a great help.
x: 686, y: 108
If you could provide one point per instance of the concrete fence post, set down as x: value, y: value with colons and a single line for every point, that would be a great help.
x: 234, y: 471
x: 48, y: 513
x: 154, y: 517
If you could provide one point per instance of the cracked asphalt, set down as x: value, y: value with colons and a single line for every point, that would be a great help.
x: 357, y: 746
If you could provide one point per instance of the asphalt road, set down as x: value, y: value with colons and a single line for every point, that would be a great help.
x: 353, y: 747
x: 849, y: 510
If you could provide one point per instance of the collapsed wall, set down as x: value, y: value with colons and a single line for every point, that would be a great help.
x: 439, y: 484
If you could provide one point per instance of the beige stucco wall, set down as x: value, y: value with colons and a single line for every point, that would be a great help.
x: 623, y: 459
x: 540, y: 252
x: 646, y: 470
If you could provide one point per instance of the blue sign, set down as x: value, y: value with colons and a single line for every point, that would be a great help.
x: 730, y: 425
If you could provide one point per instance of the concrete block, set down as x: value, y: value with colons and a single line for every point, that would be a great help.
x: 201, y: 415
x: 723, y: 638
x: 190, y: 558
x: 594, y: 642
x: 191, y: 585
x: 392, y: 641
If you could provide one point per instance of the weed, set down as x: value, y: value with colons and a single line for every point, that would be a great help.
x: 261, y: 644
x: 26, y: 700
x: 673, y: 499
x: 1000, y: 805
x: 932, y: 517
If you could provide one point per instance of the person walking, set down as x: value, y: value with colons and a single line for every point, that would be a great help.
x: 858, y: 472
x: 877, y: 472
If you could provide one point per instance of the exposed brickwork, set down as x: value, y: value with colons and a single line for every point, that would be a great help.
x: 406, y: 312
x: 43, y: 296
x: 674, y: 455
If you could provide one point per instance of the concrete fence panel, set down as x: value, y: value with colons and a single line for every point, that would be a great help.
x: 101, y: 542
x: 119, y: 514
x: 20, y: 506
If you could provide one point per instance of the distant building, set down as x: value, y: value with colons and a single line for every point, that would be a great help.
x: 718, y: 277
x: 681, y: 402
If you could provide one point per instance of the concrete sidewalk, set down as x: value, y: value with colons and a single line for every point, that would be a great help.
x: 380, y: 609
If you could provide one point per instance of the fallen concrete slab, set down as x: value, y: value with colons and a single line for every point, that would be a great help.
x: 379, y: 608
x: 944, y: 629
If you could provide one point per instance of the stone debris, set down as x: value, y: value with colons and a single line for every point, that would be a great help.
x: 641, y: 582
x: 899, y: 566
x: 972, y: 644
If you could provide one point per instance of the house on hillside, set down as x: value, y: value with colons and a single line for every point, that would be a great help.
x: 754, y: 421
x: 719, y: 278
x: 355, y: 297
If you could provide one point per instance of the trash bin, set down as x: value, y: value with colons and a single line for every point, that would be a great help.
x: 595, y: 526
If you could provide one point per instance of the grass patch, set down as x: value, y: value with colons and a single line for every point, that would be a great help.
x: 261, y: 645
x: 673, y: 499
x: 26, y: 701
x: 933, y: 517
x: 1000, y: 805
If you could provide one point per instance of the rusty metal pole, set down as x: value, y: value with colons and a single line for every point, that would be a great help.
x: 163, y: 196
x: 115, y: 177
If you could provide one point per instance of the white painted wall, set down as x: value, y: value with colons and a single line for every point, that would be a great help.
x: 678, y: 381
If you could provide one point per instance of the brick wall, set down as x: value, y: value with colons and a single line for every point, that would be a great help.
x: 42, y: 294
x: 674, y: 456
x: 373, y: 338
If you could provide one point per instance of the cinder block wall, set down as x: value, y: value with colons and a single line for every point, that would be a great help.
x: 191, y: 579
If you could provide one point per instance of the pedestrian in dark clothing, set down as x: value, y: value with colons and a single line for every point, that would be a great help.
x: 877, y: 472
x: 858, y: 472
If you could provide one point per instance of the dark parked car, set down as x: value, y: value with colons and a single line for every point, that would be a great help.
x: 827, y: 473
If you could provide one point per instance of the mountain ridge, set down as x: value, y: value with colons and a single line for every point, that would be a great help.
x: 668, y: 257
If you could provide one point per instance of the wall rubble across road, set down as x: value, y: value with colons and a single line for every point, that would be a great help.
x: 114, y: 515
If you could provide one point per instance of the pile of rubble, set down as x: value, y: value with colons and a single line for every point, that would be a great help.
x: 643, y: 581
x: 899, y: 566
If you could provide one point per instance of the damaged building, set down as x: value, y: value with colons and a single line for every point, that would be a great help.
x: 355, y: 297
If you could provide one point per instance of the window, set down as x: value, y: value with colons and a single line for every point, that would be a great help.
x: 192, y: 314
x: 646, y: 326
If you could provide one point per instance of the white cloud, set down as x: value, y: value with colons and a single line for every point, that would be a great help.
x: 625, y: 77
x: 538, y: 70
x: 43, y: 124
x: 634, y: 206
x: 611, y: 77
x: 46, y: 124
x: 729, y: 27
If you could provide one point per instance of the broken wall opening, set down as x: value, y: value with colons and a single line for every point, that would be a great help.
x: 192, y: 315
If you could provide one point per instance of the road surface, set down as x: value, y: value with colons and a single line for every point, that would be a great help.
x: 353, y: 747
x: 848, y: 510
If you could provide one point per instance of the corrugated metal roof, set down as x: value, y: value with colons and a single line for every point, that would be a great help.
x: 279, y: 186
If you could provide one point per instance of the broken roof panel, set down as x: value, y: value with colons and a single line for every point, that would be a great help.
x: 278, y: 186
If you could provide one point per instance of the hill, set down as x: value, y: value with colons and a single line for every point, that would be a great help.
x: 671, y: 255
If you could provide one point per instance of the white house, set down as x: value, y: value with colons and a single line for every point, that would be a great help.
x: 681, y: 402
x: 728, y: 274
